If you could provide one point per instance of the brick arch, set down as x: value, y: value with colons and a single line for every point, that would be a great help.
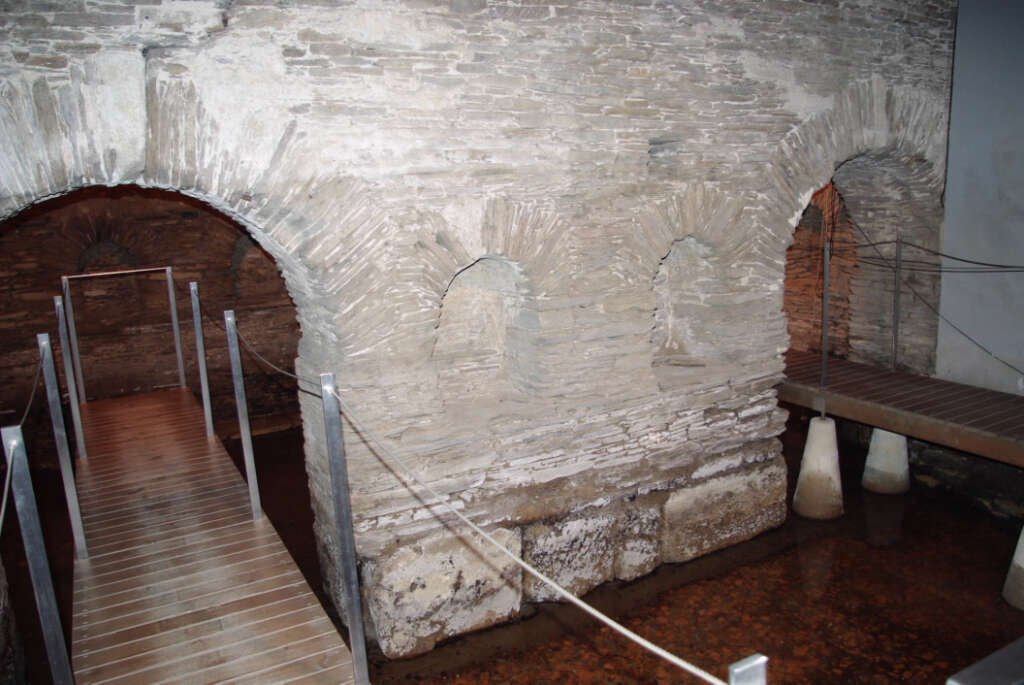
x: 885, y: 149
x: 327, y: 234
x: 868, y: 117
x: 321, y: 231
x: 529, y: 238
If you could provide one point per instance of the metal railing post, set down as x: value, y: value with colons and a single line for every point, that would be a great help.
x: 896, y: 300
x: 343, y: 522
x: 69, y: 316
x: 69, y: 375
x: 750, y: 671
x: 204, y: 381
x: 174, y: 323
x: 826, y: 286
x: 35, y: 552
x: 61, y: 438
x: 243, y: 413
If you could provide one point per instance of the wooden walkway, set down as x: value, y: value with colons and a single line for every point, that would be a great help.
x: 975, y: 420
x: 181, y: 585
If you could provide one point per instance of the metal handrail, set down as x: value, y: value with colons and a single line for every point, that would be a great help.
x: 69, y: 315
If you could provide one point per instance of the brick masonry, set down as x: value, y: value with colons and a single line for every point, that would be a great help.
x: 123, y: 323
x: 542, y: 244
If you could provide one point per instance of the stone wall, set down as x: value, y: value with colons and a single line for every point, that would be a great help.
x: 543, y: 245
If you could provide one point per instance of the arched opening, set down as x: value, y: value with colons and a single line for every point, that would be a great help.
x: 127, y: 345
x: 123, y: 323
x: 873, y: 202
x: 824, y: 220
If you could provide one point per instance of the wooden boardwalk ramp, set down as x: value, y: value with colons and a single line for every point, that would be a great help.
x: 181, y: 585
x: 975, y: 420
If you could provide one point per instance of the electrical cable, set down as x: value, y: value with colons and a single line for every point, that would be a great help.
x: 1014, y: 267
x: 934, y: 310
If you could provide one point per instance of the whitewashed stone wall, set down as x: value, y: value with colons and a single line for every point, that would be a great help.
x: 541, y: 244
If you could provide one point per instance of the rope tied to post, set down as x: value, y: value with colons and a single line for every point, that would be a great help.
x: 397, y: 465
x: 24, y: 417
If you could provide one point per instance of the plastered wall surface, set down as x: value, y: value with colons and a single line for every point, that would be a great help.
x: 984, y: 217
x: 542, y: 245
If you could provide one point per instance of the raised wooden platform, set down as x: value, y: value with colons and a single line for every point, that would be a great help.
x: 975, y: 420
x: 181, y: 585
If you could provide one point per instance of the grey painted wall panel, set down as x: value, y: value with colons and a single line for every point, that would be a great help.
x: 984, y: 202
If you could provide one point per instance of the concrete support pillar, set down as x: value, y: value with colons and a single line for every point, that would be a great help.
x: 1013, y: 588
x: 819, y: 487
x: 887, y: 469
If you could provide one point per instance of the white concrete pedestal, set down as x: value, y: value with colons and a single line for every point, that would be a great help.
x: 887, y: 469
x: 1013, y: 588
x: 819, y: 487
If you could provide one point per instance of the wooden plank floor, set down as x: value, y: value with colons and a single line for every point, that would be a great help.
x: 181, y: 585
x: 975, y: 420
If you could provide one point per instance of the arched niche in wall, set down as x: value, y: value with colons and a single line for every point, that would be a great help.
x: 485, y: 347
x: 123, y: 322
x: 704, y: 314
x: 884, y: 148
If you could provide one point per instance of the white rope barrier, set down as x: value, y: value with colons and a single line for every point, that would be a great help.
x: 388, y: 457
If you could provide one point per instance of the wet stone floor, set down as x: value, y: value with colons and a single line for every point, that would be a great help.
x: 901, y: 589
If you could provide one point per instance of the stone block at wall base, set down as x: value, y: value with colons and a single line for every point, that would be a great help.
x: 724, y: 510
x: 576, y: 552
x: 441, y: 586
x: 621, y: 540
x: 446, y: 585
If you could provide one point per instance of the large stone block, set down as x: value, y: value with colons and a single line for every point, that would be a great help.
x: 577, y: 552
x: 621, y: 541
x: 724, y: 510
x: 441, y: 586
x: 639, y: 546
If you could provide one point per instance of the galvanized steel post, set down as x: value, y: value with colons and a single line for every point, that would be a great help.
x: 204, y: 381
x: 174, y: 323
x: 750, y: 671
x: 243, y: 413
x: 825, y: 288
x: 896, y: 300
x: 69, y: 315
x: 35, y: 553
x: 343, y: 521
x: 61, y: 438
x: 69, y: 376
